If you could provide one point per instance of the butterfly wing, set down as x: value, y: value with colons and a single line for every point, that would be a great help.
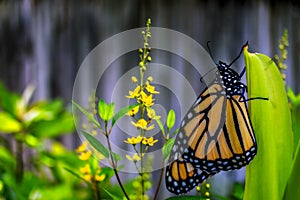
x: 233, y: 147
x: 181, y: 176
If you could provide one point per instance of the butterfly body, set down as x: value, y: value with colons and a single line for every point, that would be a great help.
x: 215, y: 135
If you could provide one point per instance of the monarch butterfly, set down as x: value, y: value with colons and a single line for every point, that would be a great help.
x: 216, y: 134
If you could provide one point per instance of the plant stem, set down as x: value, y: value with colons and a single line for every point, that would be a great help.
x: 20, y: 161
x: 114, y: 164
x: 96, y: 190
x: 159, y: 181
x: 142, y: 169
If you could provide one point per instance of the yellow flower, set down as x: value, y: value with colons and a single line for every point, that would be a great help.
x: 150, y: 78
x: 85, y: 170
x: 87, y: 177
x: 147, y: 100
x: 83, y: 152
x: 135, y: 93
x: 151, y: 141
x: 100, y: 177
x: 151, y: 89
x: 133, y: 111
x: 81, y: 148
x: 134, y: 140
x: 134, y: 158
x: 151, y: 114
x: 85, y: 155
x: 134, y: 79
x: 141, y: 123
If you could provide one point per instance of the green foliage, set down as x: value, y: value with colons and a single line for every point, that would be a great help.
x: 100, y: 147
x: 30, y: 127
x: 122, y: 112
x: 106, y: 111
x: 293, y: 184
x: 295, y: 113
x: 186, y: 198
x: 238, y: 191
x: 166, y: 150
x: 9, y: 124
x: 267, y: 175
x: 171, y: 119
x: 89, y: 116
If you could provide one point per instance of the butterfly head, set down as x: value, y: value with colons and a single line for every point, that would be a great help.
x: 229, y: 78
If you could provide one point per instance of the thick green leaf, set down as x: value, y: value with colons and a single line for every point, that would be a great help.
x: 295, y: 113
x: 88, y: 115
x: 122, y: 112
x: 167, y: 148
x: 267, y: 175
x: 293, y: 185
x: 9, y: 124
x: 171, y: 119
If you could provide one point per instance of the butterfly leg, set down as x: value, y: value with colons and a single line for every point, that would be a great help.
x: 244, y: 89
x: 243, y: 72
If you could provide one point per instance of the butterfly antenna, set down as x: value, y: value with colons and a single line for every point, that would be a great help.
x: 239, y: 54
x: 209, y: 51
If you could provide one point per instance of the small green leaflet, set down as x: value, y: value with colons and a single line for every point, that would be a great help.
x: 171, y: 119
x: 106, y: 111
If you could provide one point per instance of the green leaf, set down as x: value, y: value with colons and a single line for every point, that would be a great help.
x: 114, y: 197
x: 110, y: 111
x: 6, y: 158
x: 159, y: 123
x: 102, y: 110
x: 61, y: 124
x: 8, y: 100
x: 122, y: 112
x: 171, y: 119
x: 175, y: 132
x: 88, y: 115
x: 293, y: 185
x: 23, y: 103
x: 167, y: 148
x: 238, y: 191
x: 186, y: 198
x: 41, y: 111
x: 267, y: 175
x: 98, y: 146
x: 9, y: 124
x: 76, y: 175
x: 295, y: 113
